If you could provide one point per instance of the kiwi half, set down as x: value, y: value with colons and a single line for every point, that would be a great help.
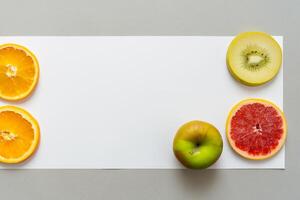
x: 254, y: 58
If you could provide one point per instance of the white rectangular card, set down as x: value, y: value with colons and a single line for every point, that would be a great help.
x: 117, y: 102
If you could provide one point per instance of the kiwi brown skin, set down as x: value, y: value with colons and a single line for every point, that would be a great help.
x: 249, y: 83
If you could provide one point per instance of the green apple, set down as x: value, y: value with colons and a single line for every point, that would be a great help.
x: 197, y: 144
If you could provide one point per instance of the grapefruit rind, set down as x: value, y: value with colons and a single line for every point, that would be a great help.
x: 35, y: 126
x: 231, y: 68
x: 246, y: 154
x: 35, y: 78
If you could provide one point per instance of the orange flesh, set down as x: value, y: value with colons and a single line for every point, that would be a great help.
x: 16, y: 135
x: 18, y: 72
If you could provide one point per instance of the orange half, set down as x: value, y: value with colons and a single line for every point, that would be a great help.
x: 19, y: 134
x: 19, y: 72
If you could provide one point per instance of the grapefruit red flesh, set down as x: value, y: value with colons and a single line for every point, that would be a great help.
x: 256, y: 129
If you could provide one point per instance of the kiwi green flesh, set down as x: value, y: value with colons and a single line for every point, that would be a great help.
x: 253, y: 60
x: 252, y: 84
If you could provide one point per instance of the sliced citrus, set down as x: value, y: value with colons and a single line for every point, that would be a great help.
x: 19, y: 72
x: 19, y: 134
x: 256, y: 129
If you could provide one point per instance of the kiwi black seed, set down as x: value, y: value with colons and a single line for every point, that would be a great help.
x: 254, y: 50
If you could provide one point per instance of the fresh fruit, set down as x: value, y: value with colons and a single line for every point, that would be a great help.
x: 197, y: 144
x: 19, y: 72
x: 19, y: 134
x: 254, y: 58
x: 256, y: 129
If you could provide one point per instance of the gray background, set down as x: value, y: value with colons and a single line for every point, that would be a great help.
x: 161, y: 17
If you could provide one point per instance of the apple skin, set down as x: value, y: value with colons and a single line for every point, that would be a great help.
x: 197, y: 145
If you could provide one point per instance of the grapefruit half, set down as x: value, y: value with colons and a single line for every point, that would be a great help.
x: 256, y: 129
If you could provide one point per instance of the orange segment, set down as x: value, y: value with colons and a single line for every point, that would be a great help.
x: 19, y: 72
x: 19, y: 134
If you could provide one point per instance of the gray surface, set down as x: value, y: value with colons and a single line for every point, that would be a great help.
x: 154, y: 17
